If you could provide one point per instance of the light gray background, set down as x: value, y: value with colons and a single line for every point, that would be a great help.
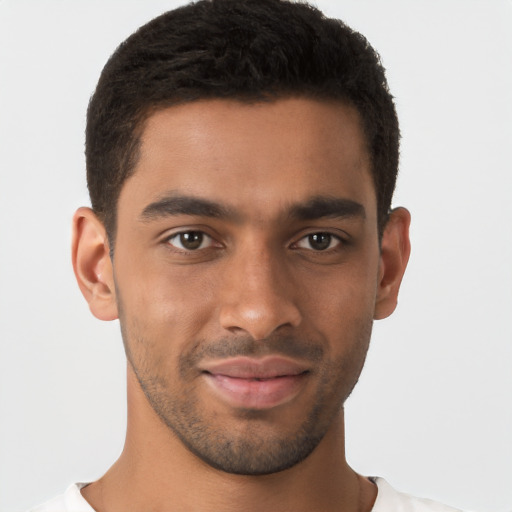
x: 432, y: 412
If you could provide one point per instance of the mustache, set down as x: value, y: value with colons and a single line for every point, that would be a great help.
x: 288, y: 346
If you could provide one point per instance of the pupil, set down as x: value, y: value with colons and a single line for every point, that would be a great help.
x: 320, y: 241
x: 191, y: 240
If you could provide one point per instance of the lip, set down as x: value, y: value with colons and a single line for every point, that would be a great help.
x: 255, y: 383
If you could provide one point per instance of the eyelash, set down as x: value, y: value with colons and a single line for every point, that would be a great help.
x: 182, y: 234
x: 307, y: 238
x: 330, y: 236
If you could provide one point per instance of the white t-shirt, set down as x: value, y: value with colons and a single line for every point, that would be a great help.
x: 388, y: 500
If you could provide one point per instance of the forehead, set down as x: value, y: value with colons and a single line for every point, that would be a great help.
x: 255, y: 157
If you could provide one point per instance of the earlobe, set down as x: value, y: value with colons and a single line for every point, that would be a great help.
x: 395, y: 251
x: 92, y: 264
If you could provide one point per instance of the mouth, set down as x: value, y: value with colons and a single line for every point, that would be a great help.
x: 255, y: 383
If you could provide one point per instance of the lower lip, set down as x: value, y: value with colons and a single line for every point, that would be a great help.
x: 256, y: 394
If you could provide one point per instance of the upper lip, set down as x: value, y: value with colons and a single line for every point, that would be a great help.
x: 250, y: 368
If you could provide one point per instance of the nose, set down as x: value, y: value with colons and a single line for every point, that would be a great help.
x: 258, y: 294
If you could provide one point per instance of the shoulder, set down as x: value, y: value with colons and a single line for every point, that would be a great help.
x: 71, y: 501
x: 389, y: 499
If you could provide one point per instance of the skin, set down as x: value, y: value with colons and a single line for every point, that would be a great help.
x: 287, y: 264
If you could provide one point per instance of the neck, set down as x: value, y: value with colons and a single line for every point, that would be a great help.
x: 157, y: 472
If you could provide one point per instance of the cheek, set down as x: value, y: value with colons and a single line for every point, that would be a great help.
x: 162, y: 308
x: 346, y: 326
x: 352, y: 301
x: 343, y: 299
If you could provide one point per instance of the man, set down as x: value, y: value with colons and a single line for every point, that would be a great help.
x: 241, y: 160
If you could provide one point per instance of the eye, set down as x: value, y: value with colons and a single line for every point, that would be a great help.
x: 190, y: 240
x: 318, y: 242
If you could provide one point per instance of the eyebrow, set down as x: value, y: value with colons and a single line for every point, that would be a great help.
x: 315, y: 208
x: 327, y: 207
x: 173, y: 204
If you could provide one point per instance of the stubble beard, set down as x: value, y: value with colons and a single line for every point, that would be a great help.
x: 244, y: 450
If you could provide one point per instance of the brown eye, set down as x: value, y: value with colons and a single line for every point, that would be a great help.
x: 319, y: 242
x: 190, y: 240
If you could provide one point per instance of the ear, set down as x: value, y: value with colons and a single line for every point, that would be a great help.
x: 92, y: 264
x: 395, y: 251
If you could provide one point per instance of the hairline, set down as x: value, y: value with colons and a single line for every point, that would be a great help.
x: 142, y: 117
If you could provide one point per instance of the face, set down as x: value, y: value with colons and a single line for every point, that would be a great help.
x: 246, y: 272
